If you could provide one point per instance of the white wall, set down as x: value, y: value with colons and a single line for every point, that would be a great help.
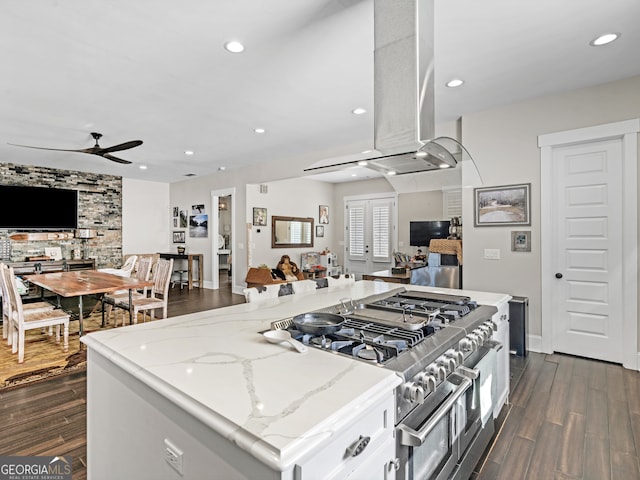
x: 145, y: 217
x: 504, y: 144
x: 289, y: 198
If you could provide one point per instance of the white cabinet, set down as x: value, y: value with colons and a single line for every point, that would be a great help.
x: 372, y: 433
x: 501, y: 334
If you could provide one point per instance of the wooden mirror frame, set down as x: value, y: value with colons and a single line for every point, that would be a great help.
x: 275, y: 219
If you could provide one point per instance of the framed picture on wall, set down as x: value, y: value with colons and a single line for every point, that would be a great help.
x: 183, y: 218
x: 260, y: 216
x: 505, y: 205
x: 521, y: 241
x: 199, y: 226
x: 319, y: 231
x: 176, y: 210
x: 179, y: 237
x: 323, y: 214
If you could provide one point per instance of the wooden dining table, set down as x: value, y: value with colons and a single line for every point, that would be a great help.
x: 87, y: 282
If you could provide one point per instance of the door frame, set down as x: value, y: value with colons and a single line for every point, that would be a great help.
x: 215, y: 225
x: 627, y: 132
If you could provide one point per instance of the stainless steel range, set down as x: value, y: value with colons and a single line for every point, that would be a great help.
x: 440, y: 345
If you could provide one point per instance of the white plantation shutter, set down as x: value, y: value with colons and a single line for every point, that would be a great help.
x: 356, y: 231
x: 452, y: 203
x: 381, y: 231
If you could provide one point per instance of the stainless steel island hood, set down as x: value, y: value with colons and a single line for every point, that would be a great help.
x: 404, y: 116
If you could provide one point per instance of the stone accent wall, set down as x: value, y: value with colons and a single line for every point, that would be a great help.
x: 99, y: 208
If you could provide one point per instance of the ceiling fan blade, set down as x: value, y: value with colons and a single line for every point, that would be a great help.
x: 114, y: 159
x: 122, y: 146
x: 84, y: 150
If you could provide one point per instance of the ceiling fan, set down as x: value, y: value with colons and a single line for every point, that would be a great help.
x: 96, y: 149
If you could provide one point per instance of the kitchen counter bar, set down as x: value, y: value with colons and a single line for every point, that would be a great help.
x: 277, y: 405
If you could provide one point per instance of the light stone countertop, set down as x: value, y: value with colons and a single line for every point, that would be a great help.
x: 270, y: 400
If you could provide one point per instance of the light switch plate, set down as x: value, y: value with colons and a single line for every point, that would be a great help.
x: 492, y: 253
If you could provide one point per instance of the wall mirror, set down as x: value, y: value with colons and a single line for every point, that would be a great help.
x: 287, y: 232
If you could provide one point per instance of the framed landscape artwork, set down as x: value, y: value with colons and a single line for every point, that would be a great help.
x: 504, y: 205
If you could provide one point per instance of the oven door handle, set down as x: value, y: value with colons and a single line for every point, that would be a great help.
x: 414, y: 438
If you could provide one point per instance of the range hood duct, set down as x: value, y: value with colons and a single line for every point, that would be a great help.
x: 404, y: 118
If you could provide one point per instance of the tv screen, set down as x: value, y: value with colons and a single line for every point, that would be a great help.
x: 38, y: 208
x: 421, y: 233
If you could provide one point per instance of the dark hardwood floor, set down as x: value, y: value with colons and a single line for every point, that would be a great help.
x: 569, y: 418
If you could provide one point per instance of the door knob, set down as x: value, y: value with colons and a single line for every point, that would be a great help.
x: 558, y: 275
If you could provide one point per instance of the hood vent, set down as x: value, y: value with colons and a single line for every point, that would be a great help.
x: 404, y: 119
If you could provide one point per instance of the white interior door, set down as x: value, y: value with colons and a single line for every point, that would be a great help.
x: 587, y: 303
x: 369, y: 234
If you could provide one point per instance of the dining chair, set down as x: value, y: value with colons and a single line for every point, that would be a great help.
x: 125, y: 270
x: 143, y: 268
x: 158, y: 295
x: 343, y: 280
x: 20, y: 322
x: 28, y: 309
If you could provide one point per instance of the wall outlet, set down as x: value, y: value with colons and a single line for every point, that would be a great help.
x: 173, y: 456
x: 492, y: 253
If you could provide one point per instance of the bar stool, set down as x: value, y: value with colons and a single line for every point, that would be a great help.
x: 181, y: 281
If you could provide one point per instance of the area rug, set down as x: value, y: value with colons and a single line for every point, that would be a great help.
x: 76, y: 362
x: 44, y: 359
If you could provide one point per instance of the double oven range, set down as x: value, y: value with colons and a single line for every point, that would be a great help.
x: 441, y: 346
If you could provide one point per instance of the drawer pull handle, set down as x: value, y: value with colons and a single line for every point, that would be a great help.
x: 358, y: 446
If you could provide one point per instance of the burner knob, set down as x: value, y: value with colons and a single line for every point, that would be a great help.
x: 487, y: 329
x: 414, y: 392
x: 467, y: 345
x: 448, y: 363
x: 438, y: 371
x: 481, y: 333
x: 428, y: 382
x: 475, y: 341
x: 457, y: 355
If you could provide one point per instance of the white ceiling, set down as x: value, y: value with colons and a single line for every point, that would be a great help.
x: 155, y: 70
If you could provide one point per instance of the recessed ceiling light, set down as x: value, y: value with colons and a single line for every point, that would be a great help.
x: 234, y: 46
x: 391, y: 172
x: 363, y: 163
x: 456, y: 82
x: 604, y: 39
x: 188, y: 152
x: 222, y: 169
x: 259, y: 130
x: 358, y: 111
x: 354, y: 174
x: 143, y: 167
x: 444, y: 165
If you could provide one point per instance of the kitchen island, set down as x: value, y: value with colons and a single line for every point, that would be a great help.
x: 206, y: 395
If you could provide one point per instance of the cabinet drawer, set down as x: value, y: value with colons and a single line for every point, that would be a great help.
x: 335, y: 460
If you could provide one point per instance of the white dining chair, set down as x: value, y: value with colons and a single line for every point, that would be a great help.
x: 143, y: 268
x: 20, y: 322
x: 158, y: 295
x: 28, y: 308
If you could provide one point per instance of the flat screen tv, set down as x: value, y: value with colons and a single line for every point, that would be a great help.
x: 38, y: 208
x: 421, y: 233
